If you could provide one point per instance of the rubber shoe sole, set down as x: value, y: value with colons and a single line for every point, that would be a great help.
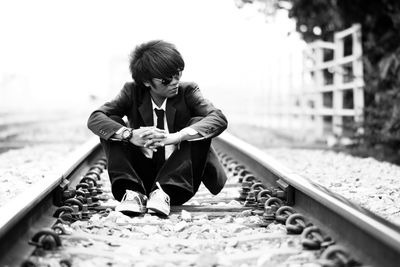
x: 130, y: 209
x: 157, y: 208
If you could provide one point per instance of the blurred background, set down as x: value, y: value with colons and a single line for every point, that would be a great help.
x: 73, y: 55
x: 321, y: 72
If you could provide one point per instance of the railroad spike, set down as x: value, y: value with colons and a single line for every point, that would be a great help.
x: 46, y: 239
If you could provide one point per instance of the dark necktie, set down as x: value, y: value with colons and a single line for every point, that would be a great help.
x: 159, y: 156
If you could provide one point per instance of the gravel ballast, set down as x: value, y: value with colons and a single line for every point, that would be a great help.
x: 372, y: 184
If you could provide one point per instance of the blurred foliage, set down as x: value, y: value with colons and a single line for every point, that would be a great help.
x: 380, y: 21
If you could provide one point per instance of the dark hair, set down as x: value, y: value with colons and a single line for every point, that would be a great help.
x: 155, y: 59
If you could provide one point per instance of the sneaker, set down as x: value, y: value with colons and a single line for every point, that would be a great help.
x: 159, y: 202
x: 132, y: 203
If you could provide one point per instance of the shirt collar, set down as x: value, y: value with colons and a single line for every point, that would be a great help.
x: 163, y: 105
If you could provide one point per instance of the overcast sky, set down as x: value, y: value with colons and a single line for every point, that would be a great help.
x: 55, y: 53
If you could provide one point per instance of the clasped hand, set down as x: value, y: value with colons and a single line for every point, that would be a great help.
x: 152, y: 137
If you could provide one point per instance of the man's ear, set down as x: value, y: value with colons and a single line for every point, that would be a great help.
x: 146, y: 83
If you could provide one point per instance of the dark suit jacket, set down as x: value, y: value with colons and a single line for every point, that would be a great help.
x: 134, y: 101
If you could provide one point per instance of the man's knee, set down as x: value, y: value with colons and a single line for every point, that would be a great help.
x: 118, y: 119
x: 193, y: 120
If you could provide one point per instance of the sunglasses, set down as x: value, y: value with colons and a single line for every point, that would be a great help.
x: 168, y: 80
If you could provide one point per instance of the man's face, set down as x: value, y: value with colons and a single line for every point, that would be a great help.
x: 167, y: 87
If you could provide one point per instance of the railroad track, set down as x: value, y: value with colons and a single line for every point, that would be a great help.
x: 28, y: 129
x: 265, y: 216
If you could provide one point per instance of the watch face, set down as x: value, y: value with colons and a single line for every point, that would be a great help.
x: 126, y: 134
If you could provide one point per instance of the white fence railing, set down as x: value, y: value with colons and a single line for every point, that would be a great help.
x: 308, y: 91
x: 331, y: 101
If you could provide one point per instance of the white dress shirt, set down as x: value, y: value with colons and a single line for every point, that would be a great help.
x: 169, y: 149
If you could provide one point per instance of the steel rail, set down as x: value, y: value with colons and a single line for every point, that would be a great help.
x: 31, y: 210
x: 369, y: 238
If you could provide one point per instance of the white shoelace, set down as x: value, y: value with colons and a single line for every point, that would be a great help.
x: 159, y: 187
x: 131, y: 195
x: 161, y: 192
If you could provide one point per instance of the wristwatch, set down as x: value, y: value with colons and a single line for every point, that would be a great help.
x: 126, y: 134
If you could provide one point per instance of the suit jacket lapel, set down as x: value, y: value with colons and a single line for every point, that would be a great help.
x: 145, y: 109
x: 146, y: 112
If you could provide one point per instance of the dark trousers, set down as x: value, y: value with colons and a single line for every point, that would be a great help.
x: 179, y: 177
